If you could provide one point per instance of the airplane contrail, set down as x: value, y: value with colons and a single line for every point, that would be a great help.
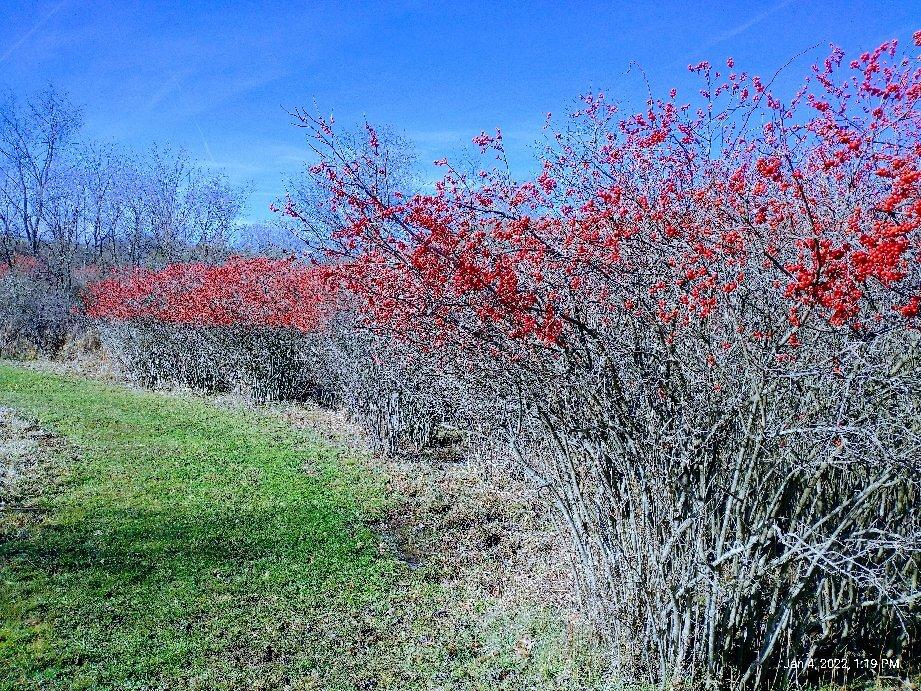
x: 38, y: 25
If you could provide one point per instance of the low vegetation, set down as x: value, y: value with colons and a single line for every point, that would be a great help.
x: 184, y: 545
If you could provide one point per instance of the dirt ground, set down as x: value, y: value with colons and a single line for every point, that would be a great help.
x: 31, y: 465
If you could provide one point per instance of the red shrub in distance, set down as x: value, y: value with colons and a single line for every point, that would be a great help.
x: 255, y: 292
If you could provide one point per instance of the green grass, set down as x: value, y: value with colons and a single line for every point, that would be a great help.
x: 185, y: 545
x: 190, y: 547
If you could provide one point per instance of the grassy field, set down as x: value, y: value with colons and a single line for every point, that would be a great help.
x: 189, y: 546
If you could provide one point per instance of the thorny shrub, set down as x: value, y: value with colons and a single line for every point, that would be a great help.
x: 696, y: 329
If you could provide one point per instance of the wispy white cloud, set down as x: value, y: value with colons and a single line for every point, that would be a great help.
x: 31, y: 32
x: 743, y: 26
x: 167, y: 88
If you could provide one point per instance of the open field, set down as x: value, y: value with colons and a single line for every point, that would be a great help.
x: 184, y: 545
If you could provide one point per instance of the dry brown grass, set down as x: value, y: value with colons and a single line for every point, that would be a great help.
x: 30, y: 467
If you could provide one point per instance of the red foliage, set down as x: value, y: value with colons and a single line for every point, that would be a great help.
x: 671, y: 213
x: 22, y: 265
x: 250, y: 292
x: 823, y: 193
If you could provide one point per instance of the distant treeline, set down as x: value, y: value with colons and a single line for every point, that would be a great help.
x: 72, y: 209
x: 76, y: 205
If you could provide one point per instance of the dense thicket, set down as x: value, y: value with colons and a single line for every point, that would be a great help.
x: 696, y: 330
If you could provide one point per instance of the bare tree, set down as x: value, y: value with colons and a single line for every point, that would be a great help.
x: 37, y: 143
x: 71, y: 208
x: 174, y: 210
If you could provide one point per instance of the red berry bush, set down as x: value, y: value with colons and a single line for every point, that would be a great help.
x: 696, y: 329
x: 242, y: 324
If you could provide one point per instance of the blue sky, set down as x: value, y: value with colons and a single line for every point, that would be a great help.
x: 216, y: 77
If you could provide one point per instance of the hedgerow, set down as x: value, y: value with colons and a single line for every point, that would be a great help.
x: 696, y: 329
